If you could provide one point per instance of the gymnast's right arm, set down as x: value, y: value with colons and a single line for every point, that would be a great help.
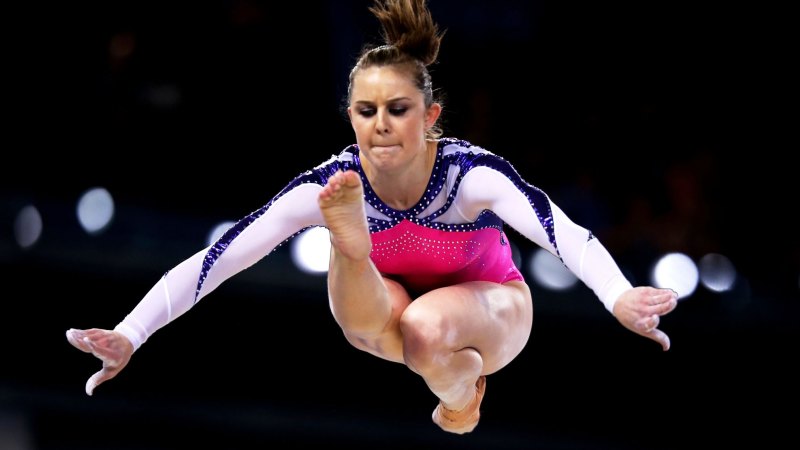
x: 244, y: 244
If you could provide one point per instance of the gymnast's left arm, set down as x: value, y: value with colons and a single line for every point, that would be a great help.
x: 530, y: 211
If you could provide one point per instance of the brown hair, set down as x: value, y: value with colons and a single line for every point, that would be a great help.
x: 411, y: 39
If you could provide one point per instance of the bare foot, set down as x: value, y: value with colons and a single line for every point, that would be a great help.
x: 342, y: 204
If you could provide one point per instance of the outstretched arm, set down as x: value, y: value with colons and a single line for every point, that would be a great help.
x: 181, y: 288
x: 528, y: 210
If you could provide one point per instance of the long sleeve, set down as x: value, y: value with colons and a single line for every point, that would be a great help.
x: 493, y: 184
x: 244, y: 244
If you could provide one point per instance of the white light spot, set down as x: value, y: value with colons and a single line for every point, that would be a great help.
x: 676, y: 271
x: 28, y: 226
x: 311, y: 250
x: 550, y: 272
x: 218, y: 231
x: 717, y: 272
x: 95, y: 210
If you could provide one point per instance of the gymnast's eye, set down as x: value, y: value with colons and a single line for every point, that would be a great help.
x: 366, y: 112
x: 398, y: 111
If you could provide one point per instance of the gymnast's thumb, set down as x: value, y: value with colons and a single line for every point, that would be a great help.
x: 96, y: 379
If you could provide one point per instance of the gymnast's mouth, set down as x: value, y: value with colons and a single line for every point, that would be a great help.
x: 386, y: 148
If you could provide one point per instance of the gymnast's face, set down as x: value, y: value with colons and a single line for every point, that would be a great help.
x: 389, y: 117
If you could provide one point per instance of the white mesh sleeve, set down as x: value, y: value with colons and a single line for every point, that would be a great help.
x: 174, y: 293
x: 487, y: 188
x: 588, y: 259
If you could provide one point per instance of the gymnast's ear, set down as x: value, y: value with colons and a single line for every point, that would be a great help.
x: 432, y: 114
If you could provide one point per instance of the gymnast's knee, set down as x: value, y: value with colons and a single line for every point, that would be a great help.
x: 423, y: 338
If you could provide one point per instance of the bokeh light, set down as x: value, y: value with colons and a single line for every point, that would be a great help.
x: 676, y: 271
x: 28, y: 226
x: 95, y: 210
x: 311, y: 250
x: 717, y: 272
x: 550, y: 272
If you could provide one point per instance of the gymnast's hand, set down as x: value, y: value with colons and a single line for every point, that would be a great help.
x: 110, y: 347
x: 640, y: 309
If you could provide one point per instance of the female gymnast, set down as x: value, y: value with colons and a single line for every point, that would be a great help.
x: 421, y: 271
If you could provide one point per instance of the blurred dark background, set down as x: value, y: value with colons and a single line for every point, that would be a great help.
x: 661, y: 126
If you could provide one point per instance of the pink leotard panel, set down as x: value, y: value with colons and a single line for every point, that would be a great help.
x: 424, y: 258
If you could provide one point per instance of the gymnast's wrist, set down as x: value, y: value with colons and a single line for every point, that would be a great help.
x: 136, y: 339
